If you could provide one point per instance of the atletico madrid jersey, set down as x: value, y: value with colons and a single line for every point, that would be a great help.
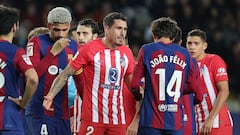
x: 13, y: 63
x: 104, y: 72
x: 212, y: 70
x: 166, y: 68
x: 48, y: 67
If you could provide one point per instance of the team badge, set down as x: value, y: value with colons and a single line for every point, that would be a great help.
x: 122, y: 62
x: 221, y: 71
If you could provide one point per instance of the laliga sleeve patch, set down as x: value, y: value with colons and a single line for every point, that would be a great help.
x: 26, y: 59
x: 30, y: 49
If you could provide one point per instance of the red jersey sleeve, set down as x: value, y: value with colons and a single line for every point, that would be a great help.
x: 80, y: 58
x: 138, y: 74
x: 220, y: 69
x: 22, y: 61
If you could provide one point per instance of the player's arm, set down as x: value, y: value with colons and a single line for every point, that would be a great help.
x: 132, y: 129
x: 31, y: 80
x: 223, y: 92
x: 138, y: 74
x: 31, y: 86
x: 24, y: 65
x: 57, y: 85
x: 33, y: 50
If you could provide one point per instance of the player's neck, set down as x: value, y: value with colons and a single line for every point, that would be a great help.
x: 8, y: 38
x: 163, y: 40
x: 108, y: 43
x: 200, y: 57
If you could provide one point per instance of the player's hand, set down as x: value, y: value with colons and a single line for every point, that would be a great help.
x: 59, y: 45
x: 47, y: 103
x: 18, y: 102
x: 207, y: 127
x: 132, y: 128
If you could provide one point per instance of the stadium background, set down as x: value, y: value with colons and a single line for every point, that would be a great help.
x: 219, y: 18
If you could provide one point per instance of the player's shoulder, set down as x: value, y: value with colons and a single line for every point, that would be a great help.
x: 213, y: 58
x: 9, y: 47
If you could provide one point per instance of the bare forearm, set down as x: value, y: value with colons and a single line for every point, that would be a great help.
x: 220, y: 99
x: 58, y: 84
x: 60, y: 81
x: 31, y: 86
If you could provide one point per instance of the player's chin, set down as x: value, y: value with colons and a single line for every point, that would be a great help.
x: 119, y: 42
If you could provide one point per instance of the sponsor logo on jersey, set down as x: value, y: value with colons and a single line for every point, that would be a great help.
x: 221, y: 71
x: 168, y: 107
x: 113, y: 75
x: 53, y: 70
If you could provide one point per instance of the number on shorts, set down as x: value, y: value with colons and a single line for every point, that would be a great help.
x: 90, y: 130
x: 44, y: 129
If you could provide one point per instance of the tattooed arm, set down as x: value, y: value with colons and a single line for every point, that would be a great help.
x: 57, y: 85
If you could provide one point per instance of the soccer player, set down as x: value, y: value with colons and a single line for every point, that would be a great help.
x: 34, y: 32
x: 166, y: 67
x: 13, y: 63
x: 212, y: 115
x: 106, y: 63
x: 50, y: 54
x: 86, y: 31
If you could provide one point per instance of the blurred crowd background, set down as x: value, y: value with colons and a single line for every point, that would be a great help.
x: 219, y: 18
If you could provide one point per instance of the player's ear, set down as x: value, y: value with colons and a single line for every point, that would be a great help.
x: 95, y: 35
x: 205, y: 45
x: 48, y: 25
x: 14, y: 28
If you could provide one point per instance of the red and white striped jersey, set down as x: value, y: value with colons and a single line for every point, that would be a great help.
x: 212, y: 70
x: 104, y: 72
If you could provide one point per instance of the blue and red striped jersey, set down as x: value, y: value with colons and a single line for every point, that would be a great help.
x: 166, y: 68
x: 13, y: 63
x: 48, y: 67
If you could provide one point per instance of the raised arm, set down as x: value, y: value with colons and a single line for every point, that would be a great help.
x: 41, y: 64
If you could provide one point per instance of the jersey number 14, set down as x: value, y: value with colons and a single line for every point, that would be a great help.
x: 172, y: 91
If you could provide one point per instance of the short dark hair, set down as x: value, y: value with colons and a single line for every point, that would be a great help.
x: 91, y: 24
x: 164, y: 27
x: 178, y: 37
x: 8, y: 17
x: 109, y: 19
x: 198, y: 32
